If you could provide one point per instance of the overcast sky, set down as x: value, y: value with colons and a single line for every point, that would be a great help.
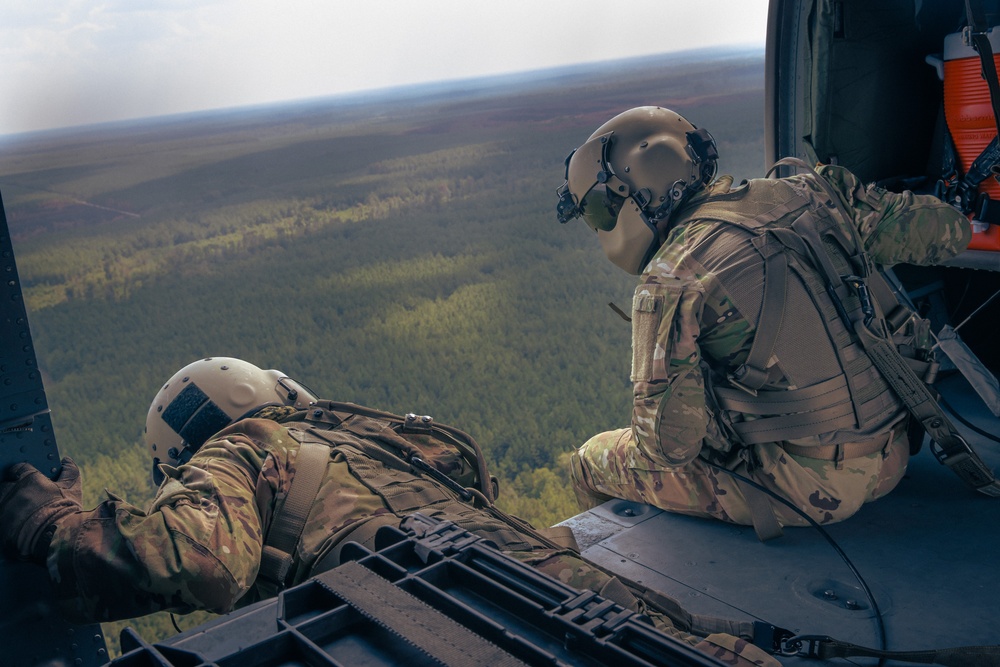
x: 75, y: 62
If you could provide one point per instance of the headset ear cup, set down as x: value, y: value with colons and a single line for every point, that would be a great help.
x: 628, y: 244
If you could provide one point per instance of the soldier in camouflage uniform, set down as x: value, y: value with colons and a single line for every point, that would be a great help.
x: 745, y: 353
x: 227, y: 440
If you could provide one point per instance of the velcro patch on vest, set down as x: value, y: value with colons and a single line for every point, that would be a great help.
x: 651, y: 305
x: 644, y: 303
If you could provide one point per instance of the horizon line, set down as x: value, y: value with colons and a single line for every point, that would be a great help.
x: 443, y: 85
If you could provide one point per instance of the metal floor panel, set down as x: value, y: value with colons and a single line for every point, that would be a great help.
x: 928, y: 551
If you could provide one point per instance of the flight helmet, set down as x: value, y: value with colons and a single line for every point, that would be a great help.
x: 630, y: 175
x: 204, y: 397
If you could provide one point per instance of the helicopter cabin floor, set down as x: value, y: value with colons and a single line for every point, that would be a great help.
x: 928, y: 552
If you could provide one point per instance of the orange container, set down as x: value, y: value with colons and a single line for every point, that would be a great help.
x: 969, y: 114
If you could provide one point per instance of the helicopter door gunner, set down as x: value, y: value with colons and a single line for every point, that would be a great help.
x: 744, y: 347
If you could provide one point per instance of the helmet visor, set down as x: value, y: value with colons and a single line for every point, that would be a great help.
x: 588, y: 174
x: 588, y: 166
x: 599, y: 208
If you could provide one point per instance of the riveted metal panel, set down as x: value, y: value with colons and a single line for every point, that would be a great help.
x: 33, y: 633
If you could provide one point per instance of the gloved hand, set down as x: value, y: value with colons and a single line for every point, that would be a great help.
x: 31, y: 505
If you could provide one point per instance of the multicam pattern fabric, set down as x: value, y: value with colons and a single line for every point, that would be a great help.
x: 199, y: 544
x: 610, y: 465
x: 694, y: 319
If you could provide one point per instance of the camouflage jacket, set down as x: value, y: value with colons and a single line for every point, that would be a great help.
x: 695, y: 312
x: 198, y: 545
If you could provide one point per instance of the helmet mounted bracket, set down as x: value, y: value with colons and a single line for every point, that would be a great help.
x: 568, y: 206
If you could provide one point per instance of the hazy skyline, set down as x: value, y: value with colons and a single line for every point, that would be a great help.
x: 78, y: 62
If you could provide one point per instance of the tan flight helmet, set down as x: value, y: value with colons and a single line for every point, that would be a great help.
x: 630, y: 175
x: 206, y: 396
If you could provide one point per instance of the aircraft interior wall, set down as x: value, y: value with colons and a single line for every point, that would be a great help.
x: 870, y: 95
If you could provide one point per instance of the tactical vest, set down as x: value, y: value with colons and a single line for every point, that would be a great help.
x: 871, y: 371
x: 409, y: 462
x: 818, y: 284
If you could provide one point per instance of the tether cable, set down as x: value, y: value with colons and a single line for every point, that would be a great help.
x: 966, y: 422
x: 879, y: 622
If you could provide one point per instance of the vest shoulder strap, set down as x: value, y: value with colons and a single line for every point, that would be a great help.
x: 289, y: 520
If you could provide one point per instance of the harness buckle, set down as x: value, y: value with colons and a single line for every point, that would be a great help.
x: 803, y: 646
x: 413, y: 423
x: 864, y: 296
x: 962, y: 458
x: 769, y: 637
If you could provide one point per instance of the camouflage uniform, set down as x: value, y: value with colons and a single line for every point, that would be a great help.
x: 199, y: 544
x: 706, y: 289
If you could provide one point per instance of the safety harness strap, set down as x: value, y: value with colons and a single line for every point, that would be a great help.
x: 792, y: 427
x: 820, y: 395
x: 760, y: 633
x: 948, y: 446
x: 753, y: 374
x: 826, y: 406
x: 765, y: 522
x: 826, y: 648
x: 981, y: 43
x: 283, y: 536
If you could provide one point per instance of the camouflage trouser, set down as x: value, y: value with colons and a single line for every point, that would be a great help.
x: 610, y: 465
x: 578, y: 573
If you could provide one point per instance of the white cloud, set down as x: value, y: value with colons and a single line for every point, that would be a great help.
x: 76, y: 61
